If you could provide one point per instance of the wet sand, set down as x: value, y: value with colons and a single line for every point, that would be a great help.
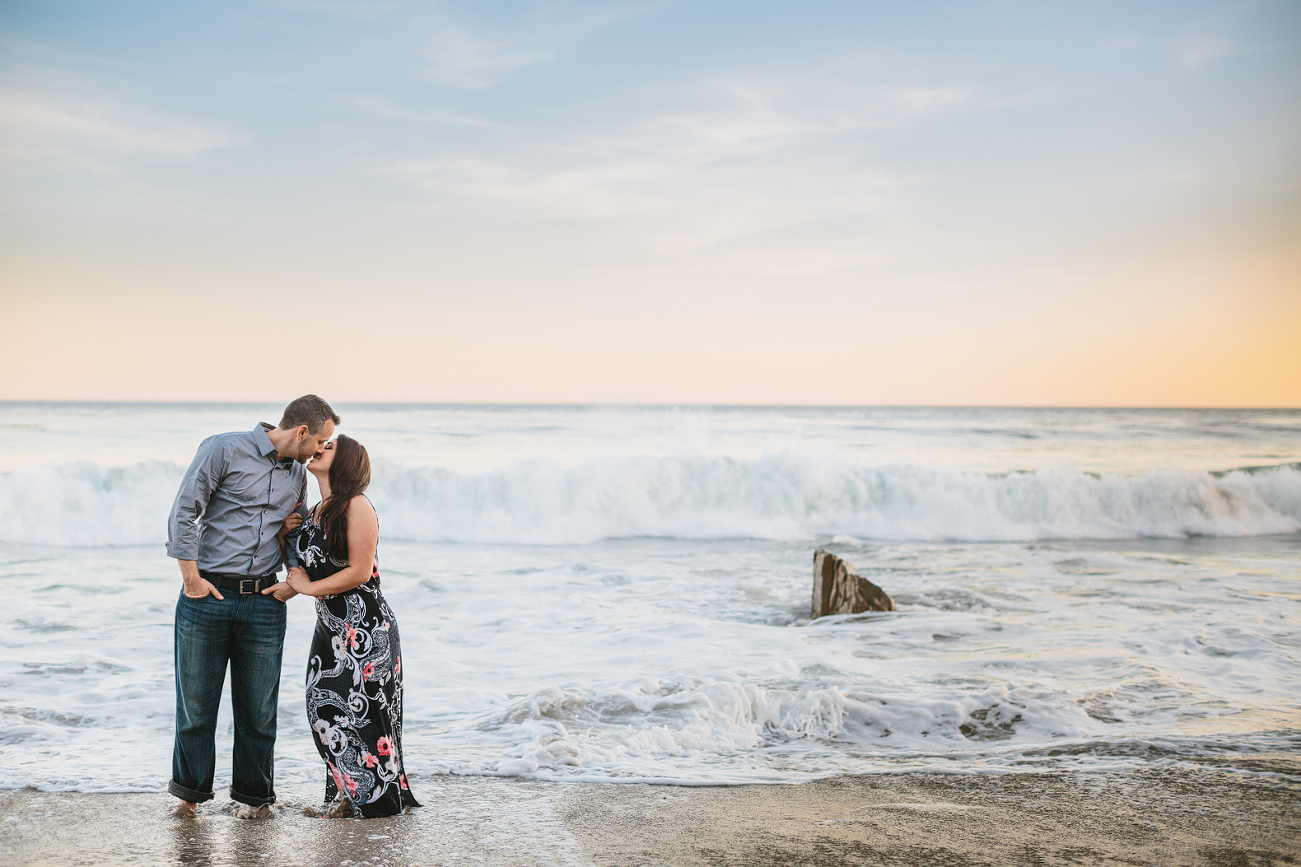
x: 1174, y: 816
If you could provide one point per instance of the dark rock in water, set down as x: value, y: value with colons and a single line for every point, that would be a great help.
x: 838, y: 589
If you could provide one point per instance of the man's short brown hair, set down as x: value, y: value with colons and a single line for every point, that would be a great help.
x: 309, y: 410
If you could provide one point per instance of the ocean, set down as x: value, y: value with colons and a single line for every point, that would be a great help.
x: 621, y: 594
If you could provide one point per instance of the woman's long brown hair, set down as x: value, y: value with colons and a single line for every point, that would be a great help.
x: 349, y: 476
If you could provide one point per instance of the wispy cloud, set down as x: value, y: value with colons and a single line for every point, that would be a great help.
x: 748, y: 157
x: 755, y: 116
x: 467, y: 45
x: 475, y: 56
x: 565, y: 187
x: 1197, y: 50
x: 361, y: 10
x: 1192, y: 51
x: 90, y: 134
x: 385, y: 108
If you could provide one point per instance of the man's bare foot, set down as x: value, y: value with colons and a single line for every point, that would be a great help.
x: 245, y: 811
x: 185, y: 809
x: 340, y: 809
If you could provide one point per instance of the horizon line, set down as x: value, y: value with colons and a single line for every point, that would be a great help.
x: 645, y: 405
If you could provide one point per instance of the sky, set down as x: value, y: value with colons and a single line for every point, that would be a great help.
x: 920, y: 203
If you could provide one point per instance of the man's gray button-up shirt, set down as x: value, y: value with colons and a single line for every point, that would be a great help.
x: 232, y: 501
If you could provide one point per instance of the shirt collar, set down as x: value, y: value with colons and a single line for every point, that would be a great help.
x: 263, y: 441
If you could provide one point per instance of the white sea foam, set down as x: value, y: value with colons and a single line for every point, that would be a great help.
x: 790, y: 496
x: 781, y: 496
x: 701, y: 727
x: 83, y: 504
x: 691, y: 661
x: 555, y: 729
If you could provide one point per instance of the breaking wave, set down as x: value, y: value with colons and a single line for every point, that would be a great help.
x: 779, y: 496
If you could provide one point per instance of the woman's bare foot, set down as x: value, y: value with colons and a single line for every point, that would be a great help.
x: 245, y: 811
x: 340, y: 809
x: 185, y: 809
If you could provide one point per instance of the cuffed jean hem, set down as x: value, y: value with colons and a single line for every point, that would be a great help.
x: 252, y: 802
x: 188, y: 794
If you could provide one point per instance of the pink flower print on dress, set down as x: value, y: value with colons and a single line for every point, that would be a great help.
x: 368, y: 760
x: 338, y: 780
x: 397, y: 666
x: 352, y: 636
x: 403, y: 780
x: 368, y: 671
x: 384, y: 746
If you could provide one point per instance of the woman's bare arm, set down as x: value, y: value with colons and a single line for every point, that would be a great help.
x: 363, y: 539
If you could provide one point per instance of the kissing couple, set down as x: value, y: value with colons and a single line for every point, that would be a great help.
x: 238, y: 516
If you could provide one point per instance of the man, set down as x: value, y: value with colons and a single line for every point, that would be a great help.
x: 223, y: 532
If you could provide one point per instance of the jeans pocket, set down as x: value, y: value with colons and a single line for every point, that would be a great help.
x: 190, y: 610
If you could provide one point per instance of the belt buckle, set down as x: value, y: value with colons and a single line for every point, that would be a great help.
x: 250, y: 581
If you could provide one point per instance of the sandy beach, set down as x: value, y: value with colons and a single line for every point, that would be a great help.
x: 1174, y: 816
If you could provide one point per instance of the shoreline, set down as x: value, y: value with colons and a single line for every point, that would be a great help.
x: 1176, y: 815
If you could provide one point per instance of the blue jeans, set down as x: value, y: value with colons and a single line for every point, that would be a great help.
x: 248, y: 631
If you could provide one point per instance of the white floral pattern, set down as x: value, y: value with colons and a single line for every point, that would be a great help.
x: 354, y: 687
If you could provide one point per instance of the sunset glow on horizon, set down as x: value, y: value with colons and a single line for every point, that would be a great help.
x: 966, y: 203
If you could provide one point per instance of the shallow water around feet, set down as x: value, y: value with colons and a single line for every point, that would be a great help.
x: 622, y: 595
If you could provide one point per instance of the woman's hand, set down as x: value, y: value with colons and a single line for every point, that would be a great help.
x: 292, y: 523
x: 298, y: 580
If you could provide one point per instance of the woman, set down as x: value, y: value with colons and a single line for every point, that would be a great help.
x: 354, y: 671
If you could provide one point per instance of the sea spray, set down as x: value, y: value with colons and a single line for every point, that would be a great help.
x: 85, y: 505
x: 784, y: 496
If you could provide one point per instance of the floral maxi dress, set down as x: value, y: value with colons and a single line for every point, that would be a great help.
x: 354, y: 687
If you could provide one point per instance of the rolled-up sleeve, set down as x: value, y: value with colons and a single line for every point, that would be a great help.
x: 201, y: 479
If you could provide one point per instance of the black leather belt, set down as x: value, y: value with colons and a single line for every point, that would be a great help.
x: 242, y: 584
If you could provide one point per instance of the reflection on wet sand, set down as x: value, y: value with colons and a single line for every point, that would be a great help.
x: 195, y: 840
x: 1159, y: 815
